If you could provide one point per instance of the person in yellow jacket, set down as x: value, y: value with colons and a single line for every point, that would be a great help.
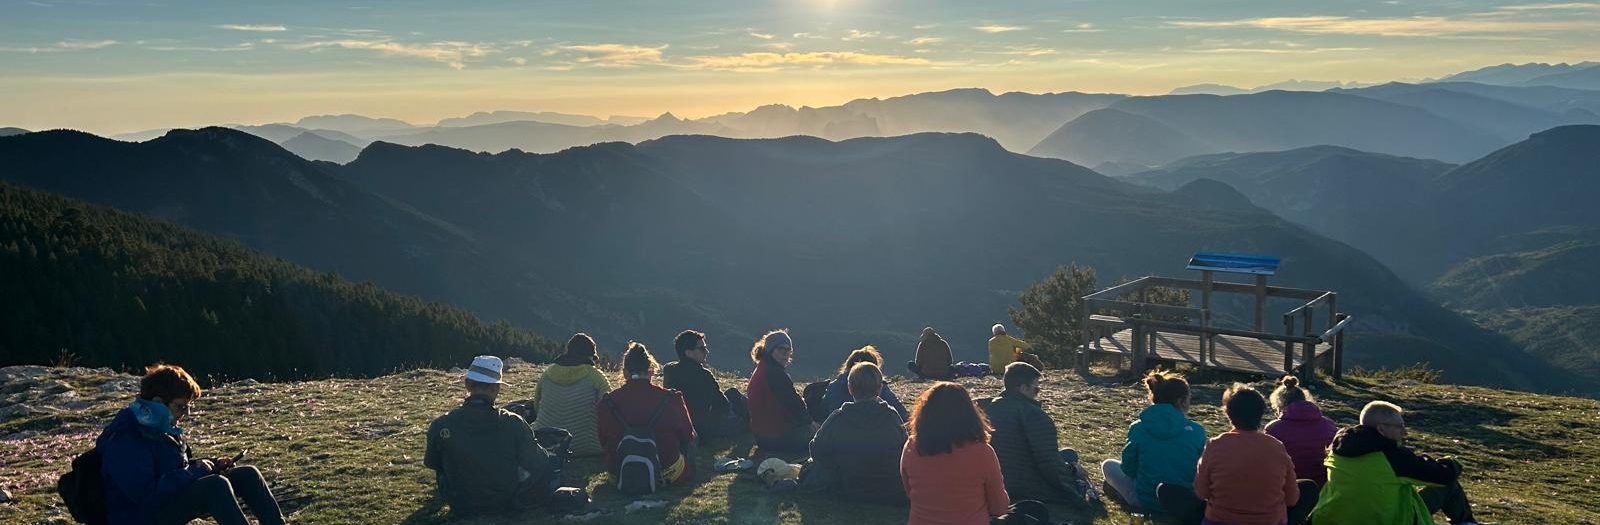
x: 1003, y: 348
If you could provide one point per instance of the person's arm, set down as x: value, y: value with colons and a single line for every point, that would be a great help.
x: 609, y: 432
x: 601, y: 385
x: 135, y: 473
x: 1040, y: 433
x: 906, y: 457
x: 824, y: 443
x: 783, y: 387
x: 1202, y: 479
x: 1018, y: 343
x: 433, y: 458
x: 1130, y: 455
x: 1408, y: 464
x: 686, y: 435
x: 719, y: 401
x: 994, y: 483
x: 1291, y: 486
x: 894, y: 402
x: 530, y: 456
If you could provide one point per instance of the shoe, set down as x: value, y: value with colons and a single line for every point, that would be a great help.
x: 733, y: 465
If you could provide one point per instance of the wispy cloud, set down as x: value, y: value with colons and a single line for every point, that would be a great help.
x: 1416, y: 26
x: 763, y: 36
x: 857, y: 34
x: 925, y: 40
x: 612, y: 55
x: 1031, y: 51
x: 451, y: 53
x: 775, y: 61
x: 518, y: 61
x: 1570, y: 6
x: 64, y: 45
x: 997, y: 28
x: 1279, y: 50
x: 260, y: 28
x: 1082, y: 28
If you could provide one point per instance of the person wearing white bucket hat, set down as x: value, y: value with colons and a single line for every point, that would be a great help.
x: 486, y: 459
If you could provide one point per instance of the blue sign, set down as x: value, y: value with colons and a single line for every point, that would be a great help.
x: 1235, y: 263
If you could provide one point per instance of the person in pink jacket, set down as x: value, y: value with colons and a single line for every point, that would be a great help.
x: 1301, y: 427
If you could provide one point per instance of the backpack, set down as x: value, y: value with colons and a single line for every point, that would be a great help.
x: 813, y: 396
x: 83, y: 490
x: 639, y: 467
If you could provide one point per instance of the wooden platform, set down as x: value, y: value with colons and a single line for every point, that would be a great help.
x: 1239, y: 354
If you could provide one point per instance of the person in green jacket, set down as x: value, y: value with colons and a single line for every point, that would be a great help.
x: 1373, y: 478
x: 1025, y: 440
x: 1163, y: 445
x: 567, y: 393
x: 485, y: 459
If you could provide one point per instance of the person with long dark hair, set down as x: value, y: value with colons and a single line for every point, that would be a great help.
x: 567, y: 392
x: 950, y: 472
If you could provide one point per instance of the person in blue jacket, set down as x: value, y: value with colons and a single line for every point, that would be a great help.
x: 839, y: 389
x: 1163, y: 446
x: 150, y: 477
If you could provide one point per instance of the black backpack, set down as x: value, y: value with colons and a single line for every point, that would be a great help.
x: 813, y: 396
x: 640, y: 459
x: 82, y: 489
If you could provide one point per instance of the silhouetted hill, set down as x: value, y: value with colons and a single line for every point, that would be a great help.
x: 1515, y: 74
x: 313, y: 146
x: 6, y: 132
x: 1571, y: 103
x: 116, y: 289
x: 1550, y: 179
x: 1280, y: 120
x: 1563, y: 274
x: 1506, y: 120
x: 890, y: 234
x: 1212, y: 194
x: 354, y: 124
x: 1564, y: 335
x: 1114, y: 136
x: 1372, y: 201
x: 549, y: 117
x: 1584, y: 78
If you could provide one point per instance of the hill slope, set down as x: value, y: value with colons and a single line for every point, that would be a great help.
x: 358, y: 452
x: 311, y: 146
x: 122, y: 290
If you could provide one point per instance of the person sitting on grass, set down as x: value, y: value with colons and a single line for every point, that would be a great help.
x: 485, y: 459
x: 566, y: 393
x: 856, y: 452
x: 933, y: 359
x: 1373, y: 477
x: 1163, y: 445
x: 1025, y: 440
x: 149, y: 475
x: 716, y: 413
x: 1301, y: 427
x: 1003, y: 349
x: 839, y: 389
x: 950, y: 472
x: 778, y: 415
x: 1244, y: 477
x: 635, y: 404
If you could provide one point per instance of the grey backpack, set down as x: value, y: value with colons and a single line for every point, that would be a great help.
x: 639, y: 458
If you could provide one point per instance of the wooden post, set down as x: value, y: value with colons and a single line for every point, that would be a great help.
x: 1288, y: 347
x: 1308, y: 351
x: 1338, y: 350
x: 1261, y: 302
x: 1139, y: 343
x: 1207, y: 340
x: 1088, y: 336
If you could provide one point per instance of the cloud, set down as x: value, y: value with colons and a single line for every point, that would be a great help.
x: 996, y: 28
x: 1279, y: 51
x: 518, y: 61
x: 1415, y: 26
x: 925, y: 40
x: 857, y: 34
x: 1082, y: 28
x: 1030, y: 51
x: 451, y: 53
x: 775, y: 61
x: 612, y: 55
x: 1570, y: 6
x: 763, y: 36
x: 263, y: 28
x: 924, y: 26
x: 64, y: 45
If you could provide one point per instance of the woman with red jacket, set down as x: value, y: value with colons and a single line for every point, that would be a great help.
x: 951, y: 474
x: 636, y: 402
x: 778, y: 415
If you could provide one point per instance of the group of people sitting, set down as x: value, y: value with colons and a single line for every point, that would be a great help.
x: 952, y: 458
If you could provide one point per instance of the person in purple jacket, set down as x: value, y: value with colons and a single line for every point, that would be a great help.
x: 1302, y: 428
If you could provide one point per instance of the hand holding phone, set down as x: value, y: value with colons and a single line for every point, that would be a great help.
x: 224, y: 465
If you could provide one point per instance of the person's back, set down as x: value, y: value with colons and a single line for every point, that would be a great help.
x: 1003, y: 349
x: 1163, y: 444
x: 860, y: 444
x: 1364, y: 486
x: 1306, y: 435
x: 1247, y: 479
x: 778, y: 415
x: 933, y: 359
x: 949, y: 470
x: 141, y: 468
x: 637, y: 400
x: 567, y: 392
x: 1025, y: 441
x: 701, y: 393
x: 481, y: 453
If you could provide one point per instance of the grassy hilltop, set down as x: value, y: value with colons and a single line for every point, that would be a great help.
x: 356, y: 445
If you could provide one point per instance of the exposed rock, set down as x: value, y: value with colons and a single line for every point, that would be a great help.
x: 16, y: 410
x: 13, y: 373
x: 122, y: 384
x: 52, y: 387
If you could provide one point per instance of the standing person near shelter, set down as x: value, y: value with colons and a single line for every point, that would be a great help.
x: 638, y: 402
x: 712, y: 409
x: 1244, y: 477
x: 950, y: 472
x: 147, y: 471
x: 1025, y: 440
x: 1374, y: 478
x: 778, y: 415
x: 838, y: 392
x: 1003, y: 348
x: 933, y: 358
x: 486, y: 459
x: 1302, y: 429
x: 567, y: 392
x: 856, y: 452
x: 1163, y: 445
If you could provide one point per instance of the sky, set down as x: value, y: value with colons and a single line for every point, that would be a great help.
x: 123, y: 65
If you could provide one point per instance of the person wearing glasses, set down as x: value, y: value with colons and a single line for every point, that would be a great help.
x: 778, y: 415
x: 1374, y: 478
x: 716, y: 413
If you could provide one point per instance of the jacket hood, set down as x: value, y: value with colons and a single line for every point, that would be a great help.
x: 571, y: 359
x: 1302, y: 411
x: 1164, y: 421
x: 1360, y: 440
x: 568, y: 374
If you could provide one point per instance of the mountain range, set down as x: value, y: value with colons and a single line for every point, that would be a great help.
x: 1582, y: 75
